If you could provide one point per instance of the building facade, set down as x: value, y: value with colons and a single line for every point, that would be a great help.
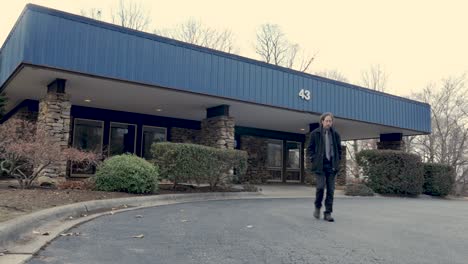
x: 102, y: 87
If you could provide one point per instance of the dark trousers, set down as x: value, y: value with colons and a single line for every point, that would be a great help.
x: 325, y: 180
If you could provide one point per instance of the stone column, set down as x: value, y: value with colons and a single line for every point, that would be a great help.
x: 218, y: 132
x: 341, y: 176
x: 309, y: 176
x: 54, y: 117
x: 185, y: 135
x: 393, y: 141
x: 256, y: 149
x: 393, y: 145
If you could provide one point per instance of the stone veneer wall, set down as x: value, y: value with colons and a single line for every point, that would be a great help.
x: 54, y: 116
x: 309, y: 177
x: 25, y: 114
x: 256, y: 149
x: 218, y: 132
x: 341, y: 177
x: 185, y: 135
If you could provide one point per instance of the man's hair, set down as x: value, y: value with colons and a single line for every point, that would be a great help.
x: 324, y: 115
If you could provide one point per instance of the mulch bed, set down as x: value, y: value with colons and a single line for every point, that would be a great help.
x: 15, y: 202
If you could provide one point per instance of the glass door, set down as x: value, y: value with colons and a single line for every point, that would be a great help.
x: 275, y: 159
x: 293, y: 161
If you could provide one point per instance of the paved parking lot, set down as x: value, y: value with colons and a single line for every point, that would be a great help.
x: 367, y: 230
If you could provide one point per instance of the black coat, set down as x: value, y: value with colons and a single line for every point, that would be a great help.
x: 316, y: 150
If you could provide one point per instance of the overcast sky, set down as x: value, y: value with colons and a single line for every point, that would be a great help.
x: 416, y: 41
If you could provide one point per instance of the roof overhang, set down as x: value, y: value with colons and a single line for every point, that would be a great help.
x: 30, y: 82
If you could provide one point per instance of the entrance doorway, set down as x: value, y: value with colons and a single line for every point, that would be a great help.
x: 284, y: 160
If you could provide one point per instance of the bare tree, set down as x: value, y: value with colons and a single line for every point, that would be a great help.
x: 447, y: 144
x: 93, y: 13
x: 375, y: 78
x: 273, y: 47
x: 409, y: 143
x: 352, y: 148
x: 332, y: 74
x: 27, y: 149
x: 131, y: 15
x: 195, y: 32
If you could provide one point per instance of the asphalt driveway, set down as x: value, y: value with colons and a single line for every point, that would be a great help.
x: 367, y: 230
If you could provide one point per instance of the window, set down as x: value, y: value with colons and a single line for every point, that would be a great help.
x: 293, y: 165
x: 275, y: 159
x: 151, y: 135
x: 122, y: 138
x: 275, y: 153
x: 87, y: 136
x: 294, y: 155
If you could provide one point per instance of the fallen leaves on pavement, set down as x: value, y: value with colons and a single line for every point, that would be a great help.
x: 41, y: 233
x: 71, y: 234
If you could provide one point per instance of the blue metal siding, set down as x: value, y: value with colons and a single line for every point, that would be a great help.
x: 12, y: 51
x: 56, y: 39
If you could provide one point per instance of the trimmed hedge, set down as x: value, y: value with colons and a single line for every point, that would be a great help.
x: 438, y: 179
x: 182, y: 162
x: 126, y: 173
x: 392, y: 172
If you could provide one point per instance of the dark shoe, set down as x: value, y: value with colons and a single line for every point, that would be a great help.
x: 328, y: 217
x: 317, y: 213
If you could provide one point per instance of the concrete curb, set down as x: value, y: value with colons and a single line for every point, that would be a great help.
x: 16, y: 229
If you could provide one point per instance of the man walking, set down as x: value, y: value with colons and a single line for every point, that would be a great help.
x: 325, y: 155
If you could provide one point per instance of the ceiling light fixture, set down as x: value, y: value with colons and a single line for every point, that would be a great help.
x: 88, y: 100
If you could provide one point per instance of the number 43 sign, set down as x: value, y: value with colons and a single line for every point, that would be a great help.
x: 304, y: 94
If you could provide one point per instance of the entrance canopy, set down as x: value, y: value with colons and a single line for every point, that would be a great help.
x: 110, y: 67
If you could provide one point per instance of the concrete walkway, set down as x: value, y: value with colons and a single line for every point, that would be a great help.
x: 291, y: 191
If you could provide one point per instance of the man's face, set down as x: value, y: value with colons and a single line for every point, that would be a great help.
x: 327, y: 122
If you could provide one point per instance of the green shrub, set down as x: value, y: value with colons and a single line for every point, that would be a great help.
x: 392, y: 172
x: 438, y: 179
x: 358, y: 189
x: 181, y: 162
x: 126, y: 173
